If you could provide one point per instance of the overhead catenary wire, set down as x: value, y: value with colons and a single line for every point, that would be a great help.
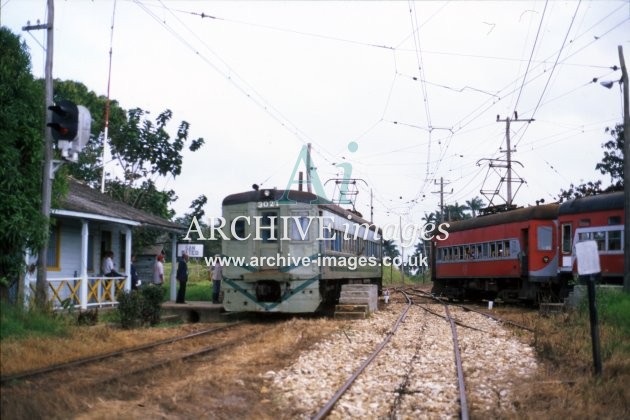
x: 444, y: 150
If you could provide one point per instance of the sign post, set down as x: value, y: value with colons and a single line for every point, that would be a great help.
x: 588, y: 265
x: 193, y: 250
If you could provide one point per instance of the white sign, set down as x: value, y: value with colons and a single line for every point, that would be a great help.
x: 193, y: 250
x: 587, y: 258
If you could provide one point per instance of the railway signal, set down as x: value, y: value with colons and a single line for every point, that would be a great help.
x: 70, y: 128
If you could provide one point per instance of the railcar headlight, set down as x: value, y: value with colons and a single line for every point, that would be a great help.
x: 545, y: 259
x: 267, y: 193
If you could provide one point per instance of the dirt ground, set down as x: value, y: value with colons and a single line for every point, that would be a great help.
x: 226, y: 385
x: 231, y: 384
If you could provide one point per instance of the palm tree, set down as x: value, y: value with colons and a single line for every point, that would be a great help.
x: 456, y: 212
x: 475, y: 205
x: 390, y: 249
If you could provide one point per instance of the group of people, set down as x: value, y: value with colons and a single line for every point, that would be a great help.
x: 215, y: 274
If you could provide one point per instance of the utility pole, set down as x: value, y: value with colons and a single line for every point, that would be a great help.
x: 47, y: 172
x: 626, y: 173
x: 441, y: 192
x: 509, y: 153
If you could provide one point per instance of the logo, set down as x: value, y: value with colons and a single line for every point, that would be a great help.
x: 315, y: 181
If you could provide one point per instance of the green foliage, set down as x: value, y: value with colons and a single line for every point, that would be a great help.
x: 151, y: 304
x: 144, y: 148
x: 21, y: 133
x: 612, y: 163
x: 129, y: 308
x: 140, y: 307
x: 89, y: 167
x: 16, y: 322
x: 613, y: 308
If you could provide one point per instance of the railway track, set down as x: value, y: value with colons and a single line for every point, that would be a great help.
x: 409, y: 387
x: 94, y: 374
x: 28, y: 375
x: 469, y: 308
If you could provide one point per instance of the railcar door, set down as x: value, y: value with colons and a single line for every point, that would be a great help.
x: 524, y: 254
x: 267, y: 239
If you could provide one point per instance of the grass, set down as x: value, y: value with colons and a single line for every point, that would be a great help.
x: 563, y: 343
x: 16, y: 322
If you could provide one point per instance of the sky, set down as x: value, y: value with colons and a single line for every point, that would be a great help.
x: 404, y: 94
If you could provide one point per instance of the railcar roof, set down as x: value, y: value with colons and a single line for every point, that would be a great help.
x: 544, y: 212
x: 273, y: 195
x: 293, y: 195
x: 600, y: 202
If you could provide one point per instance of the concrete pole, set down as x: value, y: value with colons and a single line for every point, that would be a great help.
x: 42, y: 263
x: 626, y: 173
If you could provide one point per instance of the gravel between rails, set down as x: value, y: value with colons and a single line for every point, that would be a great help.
x: 414, y: 376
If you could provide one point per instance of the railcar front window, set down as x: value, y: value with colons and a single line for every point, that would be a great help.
x: 299, y: 227
x: 269, y: 224
x: 545, y: 238
x: 239, y: 228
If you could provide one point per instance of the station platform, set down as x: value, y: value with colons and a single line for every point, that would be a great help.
x: 194, y: 311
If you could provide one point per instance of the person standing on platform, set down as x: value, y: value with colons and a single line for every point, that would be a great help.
x: 217, y: 276
x: 135, y: 281
x: 182, y: 278
x: 158, y: 270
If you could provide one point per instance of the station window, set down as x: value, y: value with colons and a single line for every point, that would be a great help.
x: 54, y: 247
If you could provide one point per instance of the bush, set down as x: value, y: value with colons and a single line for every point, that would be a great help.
x: 129, y: 308
x: 140, y: 307
x: 151, y: 304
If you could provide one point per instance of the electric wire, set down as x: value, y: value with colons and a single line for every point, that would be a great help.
x: 531, y: 55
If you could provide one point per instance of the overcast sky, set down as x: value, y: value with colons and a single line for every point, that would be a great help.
x: 417, y: 86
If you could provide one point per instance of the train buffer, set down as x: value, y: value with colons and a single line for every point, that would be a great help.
x: 356, y: 301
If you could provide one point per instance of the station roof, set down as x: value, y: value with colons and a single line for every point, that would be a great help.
x: 85, y: 202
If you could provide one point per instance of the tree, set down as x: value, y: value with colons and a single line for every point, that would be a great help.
x: 90, y: 166
x: 474, y: 205
x: 456, y: 212
x: 142, y: 148
x: 22, y: 225
x: 612, y: 163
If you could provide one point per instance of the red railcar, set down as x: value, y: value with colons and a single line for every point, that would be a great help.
x: 599, y: 218
x: 510, y: 255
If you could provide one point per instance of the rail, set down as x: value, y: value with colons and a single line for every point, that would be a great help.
x: 327, y: 408
x: 100, y: 357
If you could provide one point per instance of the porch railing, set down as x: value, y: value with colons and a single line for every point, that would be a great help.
x: 66, y: 292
